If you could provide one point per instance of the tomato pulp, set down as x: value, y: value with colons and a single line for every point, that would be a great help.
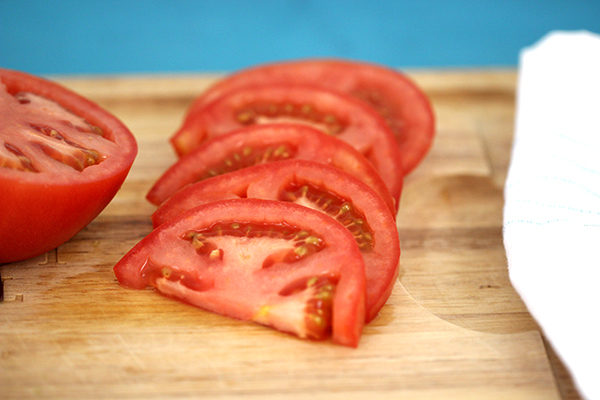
x: 275, y: 263
x: 62, y: 159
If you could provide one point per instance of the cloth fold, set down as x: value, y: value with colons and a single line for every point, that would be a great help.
x: 552, y: 198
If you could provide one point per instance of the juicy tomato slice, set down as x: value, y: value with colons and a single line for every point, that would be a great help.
x: 403, y: 105
x: 275, y: 263
x: 62, y: 159
x: 334, y: 113
x: 262, y: 144
x: 320, y: 187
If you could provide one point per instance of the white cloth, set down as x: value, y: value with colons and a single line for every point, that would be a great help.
x: 552, y: 198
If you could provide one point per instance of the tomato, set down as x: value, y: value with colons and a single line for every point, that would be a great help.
x: 401, y: 102
x: 318, y: 186
x: 62, y: 159
x: 265, y: 143
x: 275, y: 263
x: 336, y: 114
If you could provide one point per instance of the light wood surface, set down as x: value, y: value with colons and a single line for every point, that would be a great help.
x: 453, y: 327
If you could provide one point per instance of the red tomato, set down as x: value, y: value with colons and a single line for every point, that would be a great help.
x: 318, y: 186
x: 335, y: 114
x: 403, y: 105
x: 266, y: 143
x: 62, y: 159
x: 271, y: 262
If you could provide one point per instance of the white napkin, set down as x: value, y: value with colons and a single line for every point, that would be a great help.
x: 552, y: 198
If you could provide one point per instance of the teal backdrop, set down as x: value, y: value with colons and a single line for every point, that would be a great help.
x: 105, y: 37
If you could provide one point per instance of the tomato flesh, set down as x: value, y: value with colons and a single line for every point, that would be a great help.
x: 62, y: 159
x: 261, y: 144
x: 35, y: 127
x: 353, y: 204
x: 401, y: 103
x: 334, y: 113
x: 271, y: 262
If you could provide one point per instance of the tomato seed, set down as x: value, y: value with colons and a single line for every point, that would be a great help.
x: 216, y: 254
x: 301, y: 251
x: 97, y: 130
x: 246, y: 116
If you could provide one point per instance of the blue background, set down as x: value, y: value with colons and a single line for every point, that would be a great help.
x: 82, y: 37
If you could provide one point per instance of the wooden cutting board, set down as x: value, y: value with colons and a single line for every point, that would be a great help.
x: 453, y: 327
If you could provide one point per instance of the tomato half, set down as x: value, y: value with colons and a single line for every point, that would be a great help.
x: 62, y: 159
x: 334, y: 113
x: 275, y: 263
x: 320, y: 187
x: 403, y: 105
x: 265, y: 143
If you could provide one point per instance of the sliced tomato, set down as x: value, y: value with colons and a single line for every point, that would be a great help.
x: 334, y: 113
x: 62, y: 159
x: 403, y: 105
x: 318, y: 186
x: 275, y: 263
x: 265, y: 143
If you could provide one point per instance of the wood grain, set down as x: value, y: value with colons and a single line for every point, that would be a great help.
x: 453, y: 327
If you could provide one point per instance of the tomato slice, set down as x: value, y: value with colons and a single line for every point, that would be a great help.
x: 275, y: 263
x: 266, y: 143
x: 334, y: 113
x: 62, y: 159
x: 318, y: 186
x: 403, y: 105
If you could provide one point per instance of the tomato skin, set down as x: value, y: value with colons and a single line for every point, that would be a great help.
x: 238, y: 290
x: 269, y: 182
x: 41, y: 210
x: 351, y: 121
x: 36, y: 218
x: 309, y: 143
x: 400, y: 101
